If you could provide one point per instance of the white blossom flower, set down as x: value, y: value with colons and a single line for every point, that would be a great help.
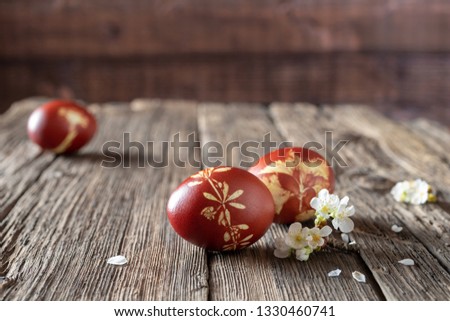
x: 282, y: 250
x: 401, y: 191
x: 414, y: 192
x: 334, y: 273
x: 316, y: 236
x: 304, y: 241
x: 341, y: 219
x: 325, y: 203
x: 297, y: 236
x: 419, y: 193
x: 303, y: 254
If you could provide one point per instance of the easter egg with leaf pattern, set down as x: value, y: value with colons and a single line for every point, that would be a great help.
x: 294, y: 175
x: 221, y: 209
x: 61, y: 126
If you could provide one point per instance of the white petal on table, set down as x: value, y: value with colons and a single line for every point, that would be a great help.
x: 406, y: 262
x: 117, y: 260
x: 345, y: 238
x: 358, y: 276
x: 397, y: 229
x: 334, y: 273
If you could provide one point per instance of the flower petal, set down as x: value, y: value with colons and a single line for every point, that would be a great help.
x: 323, y: 194
x: 358, y: 276
x: 282, y: 254
x: 346, y: 225
x: 335, y: 223
x: 345, y: 238
x: 280, y: 243
x: 406, y: 262
x: 302, y: 255
x: 315, y: 203
x: 349, y: 211
x: 117, y: 260
x: 334, y: 273
x: 325, y: 231
x: 311, y: 231
x: 320, y: 243
x: 344, y: 201
x: 334, y: 201
x: 295, y: 228
x: 397, y: 229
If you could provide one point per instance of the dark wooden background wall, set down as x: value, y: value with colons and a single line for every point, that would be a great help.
x: 392, y: 54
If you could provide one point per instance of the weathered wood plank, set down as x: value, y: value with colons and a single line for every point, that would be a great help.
x: 78, y: 214
x: 255, y: 274
x: 74, y: 214
x: 396, y: 80
x: 420, y: 157
x: 438, y: 136
x: 375, y: 161
x: 114, y: 28
x: 405, y: 149
x: 21, y: 162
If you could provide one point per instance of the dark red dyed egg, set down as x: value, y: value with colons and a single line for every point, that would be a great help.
x: 294, y: 175
x: 61, y: 126
x: 221, y: 208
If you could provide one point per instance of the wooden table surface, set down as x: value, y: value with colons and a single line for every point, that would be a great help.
x: 63, y: 217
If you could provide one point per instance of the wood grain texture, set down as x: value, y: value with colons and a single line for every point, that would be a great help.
x: 438, y: 136
x: 255, y: 274
x: 78, y: 214
x: 119, y: 28
x: 21, y: 161
x: 62, y: 217
x: 379, y: 153
x: 400, y: 84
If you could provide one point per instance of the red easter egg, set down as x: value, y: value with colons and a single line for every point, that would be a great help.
x: 294, y: 175
x: 221, y: 208
x: 61, y: 126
